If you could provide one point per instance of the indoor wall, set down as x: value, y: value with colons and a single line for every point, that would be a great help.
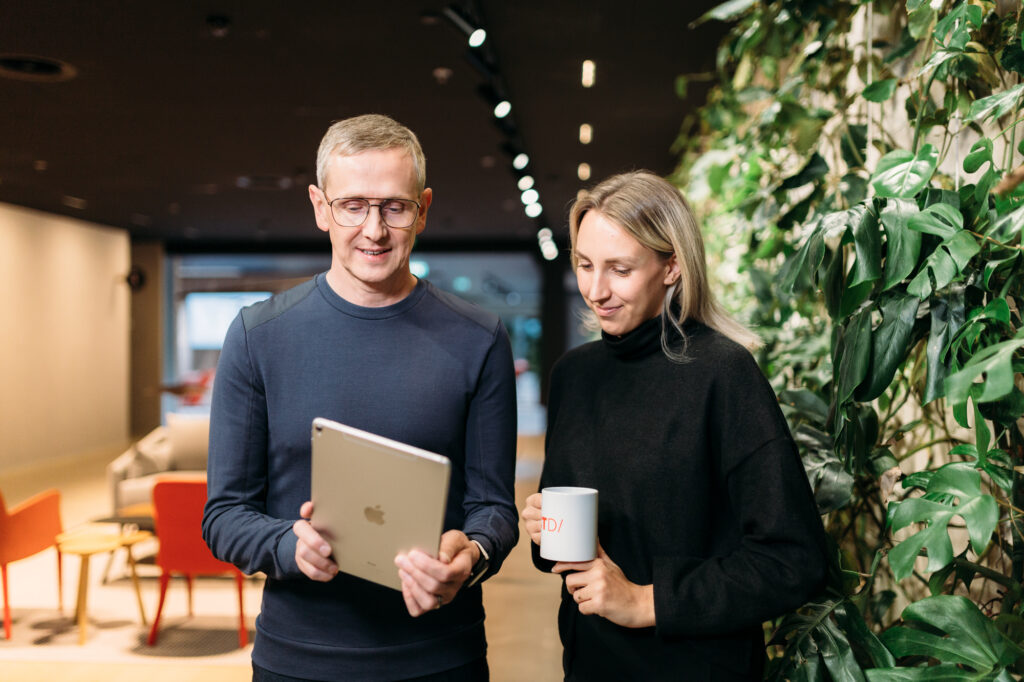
x: 64, y: 338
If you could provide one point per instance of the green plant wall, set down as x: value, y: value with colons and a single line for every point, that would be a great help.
x: 859, y: 164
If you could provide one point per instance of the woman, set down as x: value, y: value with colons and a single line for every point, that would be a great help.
x: 706, y: 523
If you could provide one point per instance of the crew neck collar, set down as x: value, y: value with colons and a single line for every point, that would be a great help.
x: 366, y: 312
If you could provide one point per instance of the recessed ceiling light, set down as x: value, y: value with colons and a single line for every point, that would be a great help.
x: 583, y: 171
x: 442, y: 75
x: 588, y: 73
x: 24, y: 67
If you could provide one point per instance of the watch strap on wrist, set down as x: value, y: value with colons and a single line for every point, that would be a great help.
x: 481, y: 566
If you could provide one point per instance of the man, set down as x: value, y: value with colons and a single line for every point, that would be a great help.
x: 369, y: 345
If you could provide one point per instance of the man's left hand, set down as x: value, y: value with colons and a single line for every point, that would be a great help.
x: 428, y: 583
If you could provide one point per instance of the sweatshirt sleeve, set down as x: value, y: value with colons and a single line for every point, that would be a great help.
x: 778, y: 562
x: 235, y: 523
x: 491, y: 516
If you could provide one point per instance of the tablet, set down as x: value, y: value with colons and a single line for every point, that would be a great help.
x: 374, y: 497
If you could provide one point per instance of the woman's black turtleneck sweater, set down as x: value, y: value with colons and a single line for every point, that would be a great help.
x: 701, y: 493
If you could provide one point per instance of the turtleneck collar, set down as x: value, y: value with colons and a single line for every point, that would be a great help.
x: 646, y: 338
x: 636, y: 343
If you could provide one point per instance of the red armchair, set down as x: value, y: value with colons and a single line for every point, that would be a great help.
x: 28, y: 529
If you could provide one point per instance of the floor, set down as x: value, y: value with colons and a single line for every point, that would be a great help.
x: 521, y: 603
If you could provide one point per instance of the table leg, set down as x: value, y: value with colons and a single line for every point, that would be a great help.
x: 83, y: 588
x: 135, y: 582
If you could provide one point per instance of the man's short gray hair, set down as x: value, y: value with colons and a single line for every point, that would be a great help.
x: 369, y: 132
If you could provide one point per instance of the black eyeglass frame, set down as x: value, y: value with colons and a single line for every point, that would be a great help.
x: 369, y: 205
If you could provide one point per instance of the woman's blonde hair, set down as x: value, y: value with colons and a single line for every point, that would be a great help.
x: 655, y: 213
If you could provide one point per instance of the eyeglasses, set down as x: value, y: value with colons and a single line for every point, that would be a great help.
x: 397, y: 213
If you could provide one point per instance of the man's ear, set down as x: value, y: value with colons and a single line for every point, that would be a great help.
x: 320, y: 208
x: 426, y: 197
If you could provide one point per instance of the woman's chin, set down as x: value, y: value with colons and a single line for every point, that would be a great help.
x: 615, y: 327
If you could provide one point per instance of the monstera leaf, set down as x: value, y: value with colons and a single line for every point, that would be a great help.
x: 903, y: 174
x: 970, y: 647
x: 994, y: 364
x: 952, y: 490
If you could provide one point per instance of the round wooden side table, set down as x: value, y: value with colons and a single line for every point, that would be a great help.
x: 87, y: 543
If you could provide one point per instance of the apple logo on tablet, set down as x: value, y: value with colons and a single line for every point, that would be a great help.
x: 374, y: 515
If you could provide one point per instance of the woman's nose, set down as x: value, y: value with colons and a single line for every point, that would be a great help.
x: 598, y: 289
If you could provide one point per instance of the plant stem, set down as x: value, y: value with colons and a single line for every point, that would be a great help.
x: 1017, y: 500
x: 925, y: 95
x: 937, y: 441
x: 1011, y: 585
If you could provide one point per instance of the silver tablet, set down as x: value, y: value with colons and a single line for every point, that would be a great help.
x: 374, y: 497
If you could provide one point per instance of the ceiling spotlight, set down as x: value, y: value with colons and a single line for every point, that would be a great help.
x: 588, y: 73
x: 583, y: 171
x: 525, y: 183
x: 534, y: 209
x: 474, y: 34
x: 549, y: 250
x: 530, y: 196
x: 521, y: 161
x: 74, y: 202
x: 544, y: 233
x: 586, y: 133
x: 502, y: 108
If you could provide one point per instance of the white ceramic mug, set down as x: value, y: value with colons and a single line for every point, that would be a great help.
x: 568, y: 524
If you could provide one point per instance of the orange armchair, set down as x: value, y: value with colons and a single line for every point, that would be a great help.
x: 27, y: 529
x: 177, y: 515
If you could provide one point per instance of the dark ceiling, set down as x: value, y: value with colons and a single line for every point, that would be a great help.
x: 197, y: 123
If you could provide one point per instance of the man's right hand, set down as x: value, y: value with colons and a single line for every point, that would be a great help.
x: 312, y: 553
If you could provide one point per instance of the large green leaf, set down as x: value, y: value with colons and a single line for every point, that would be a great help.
x: 903, y: 245
x: 879, y: 91
x: 726, y: 11
x: 867, y: 264
x: 867, y: 243
x: 953, y: 490
x: 971, y: 639
x: 903, y: 174
x: 947, y: 316
x: 889, y: 344
x: 853, y: 145
x: 1007, y: 227
x: 995, y: 105
x: 854, y: 353
x: 813, y: 641
x: 944, y: 264
x: 920, y: 19
x: 849, y: 618
x: 939, y: 673
x: 995, y: 364
x: 942, y: 220
x: 801, y: 268
x: 953, y: 31
x: 814, y: 169
x: 831, y: 483
x: 980, y: 154
x: 806, y: 403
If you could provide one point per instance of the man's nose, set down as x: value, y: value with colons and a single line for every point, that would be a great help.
x: 374, y: 227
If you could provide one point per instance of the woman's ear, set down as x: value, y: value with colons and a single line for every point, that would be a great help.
x: 672, y: 276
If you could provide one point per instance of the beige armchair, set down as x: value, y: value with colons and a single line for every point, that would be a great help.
x: 176, y: 451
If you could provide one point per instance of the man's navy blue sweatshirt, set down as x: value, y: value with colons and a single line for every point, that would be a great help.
x: 432, y: 371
